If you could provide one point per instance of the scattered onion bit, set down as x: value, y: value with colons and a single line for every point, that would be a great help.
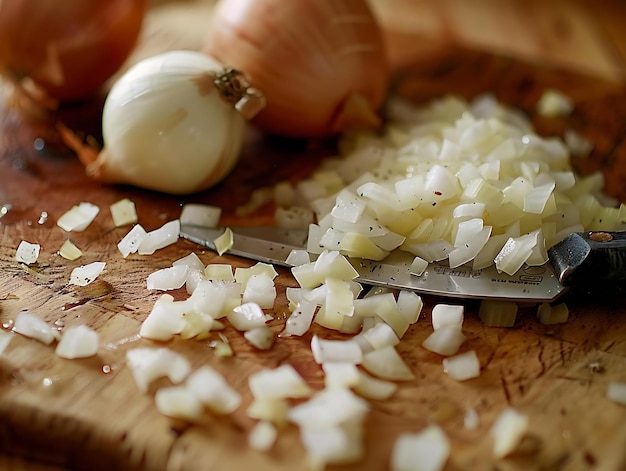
x: 224, y: 242
x: 508, y: 431
x: 123, y: 212
x: 86, y: 274
x: 69, y: 251
x: 27, y: 253
x: 79, y: 217
x: 5, y: 339
x: 78, y: 341
x: 29, y: 325
x: 427, y: 450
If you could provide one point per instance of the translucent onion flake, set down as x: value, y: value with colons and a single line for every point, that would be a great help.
x: 86, y: 274
x: 78, y: 341
x: 5, y: 339
x: 27, y: 253
x: 79, y: 217
x: 29, y: 325
x: 427, y: 450
x: 202, y: 215
x: 123, y: 212
x: 69, y: 251
x: 508, y: 431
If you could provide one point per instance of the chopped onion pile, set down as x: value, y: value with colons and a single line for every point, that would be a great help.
x: 27, y: 253
x: 456, y: 182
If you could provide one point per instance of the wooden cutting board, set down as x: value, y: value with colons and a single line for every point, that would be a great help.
x: 89, y: 414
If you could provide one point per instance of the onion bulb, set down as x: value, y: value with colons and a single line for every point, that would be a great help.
x: 65, y: 51
x: 173, y: 123
x: 321, y: 64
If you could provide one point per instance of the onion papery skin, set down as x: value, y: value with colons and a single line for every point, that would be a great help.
x: 167, y: 128
x: 321, y: 64
x: 67, y: 49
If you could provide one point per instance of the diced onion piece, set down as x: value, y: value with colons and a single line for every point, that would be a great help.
x: 198, y: 324
x: 298, y: 257
x: 132, y: 240
x: 219, y: 271
x: 247, y: 316
x: 471, y: 421
x: 328, y: 408
x: 381, y: 336
x: 79, y: 217
x: 271, y: 409
x: 178, y: 402
x: 260, y: 289
x: 192, y: 261
x: 495, y: 313
x: 202, y: 215
x: 556, y: 314
x: 148, y: 364
x: 339, y: 298
x: 294, y: 217
x: 340, y: 375
x: 325, y: 351
x: 123, y: 212
x: 281, y: 382
x: 508, y: 431
x: 386, y: 363
x: 86, y: 274
x: 69, y: 251
x: 333, y: 445
x: 462, y: 367
x: 165, y: 319
x: 374, y: 388
x: 242, y: 275
x: 446, y: 340
x: 301, y: 318
x: 447, y: 314
x: 29, y: 325
x: 515, y: 252
x: 5, y: 339
x: 617, y: 392
x: 418, y: 266
x: 78, y: 341
x: 212, y: 389
x: 389, y: 313
x: 410, y: 304
x: 168, y: 278
x: 263, y: 436
x: 261, y: 338
x: 554, y: 103
x: 27, y: 253
x: 427, y: 450
x: 159, y: 238
x: 224, y: 242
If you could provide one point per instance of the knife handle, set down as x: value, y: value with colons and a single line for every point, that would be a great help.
x: 591, y: 262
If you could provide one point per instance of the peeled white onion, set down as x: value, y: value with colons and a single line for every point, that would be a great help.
x: 170, y: 124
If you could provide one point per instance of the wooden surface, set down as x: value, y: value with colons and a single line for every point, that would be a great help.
x: 72, y: 415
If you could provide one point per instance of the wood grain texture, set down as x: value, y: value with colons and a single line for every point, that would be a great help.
x: 88, y: 414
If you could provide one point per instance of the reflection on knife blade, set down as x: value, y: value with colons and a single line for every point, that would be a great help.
x: 273, y: 245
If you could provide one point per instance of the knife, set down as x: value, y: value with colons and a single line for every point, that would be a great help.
x: 584, y: 263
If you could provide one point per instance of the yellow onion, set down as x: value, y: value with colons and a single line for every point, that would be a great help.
x: 174, y: 123
x: 321, y: 64
x: 65, y: 50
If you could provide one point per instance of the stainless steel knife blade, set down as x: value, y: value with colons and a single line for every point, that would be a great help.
x: 273, y: 245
